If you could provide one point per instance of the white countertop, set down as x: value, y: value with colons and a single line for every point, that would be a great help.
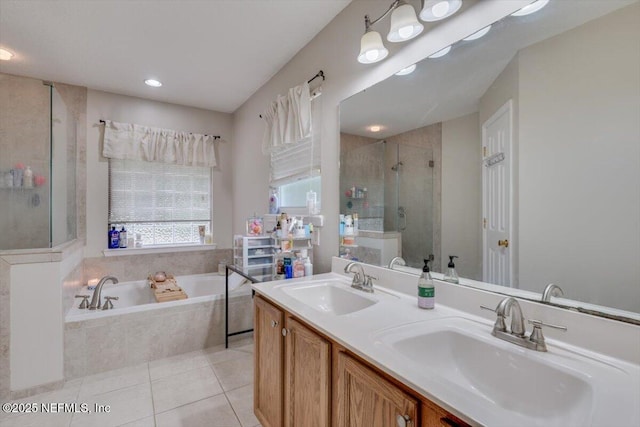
x: 358, y: 332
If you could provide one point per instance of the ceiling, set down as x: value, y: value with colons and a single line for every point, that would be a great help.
x: 451, y: 86
x: 211, y: 54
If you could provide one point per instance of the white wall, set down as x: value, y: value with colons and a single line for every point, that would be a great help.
x: 461, y: 195
x: 334, y: 50
x: 108, y: 106
x: 585, y: 174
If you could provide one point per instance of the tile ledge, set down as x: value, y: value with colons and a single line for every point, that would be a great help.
x: 157, y: 250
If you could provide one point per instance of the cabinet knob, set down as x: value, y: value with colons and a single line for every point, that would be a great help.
x: 403, y: 420
x: 285, y: 331
x: 274, y: 323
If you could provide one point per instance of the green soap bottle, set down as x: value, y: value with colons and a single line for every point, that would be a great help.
x: 426, y: 290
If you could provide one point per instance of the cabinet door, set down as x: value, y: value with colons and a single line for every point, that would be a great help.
x: 434, y: 416
x: 362, y: 398
x: 308, y: 377
x: 268, y: 363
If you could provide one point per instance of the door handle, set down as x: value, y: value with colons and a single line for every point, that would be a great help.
x: 503, y: 243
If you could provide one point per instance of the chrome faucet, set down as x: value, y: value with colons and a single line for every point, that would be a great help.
x: 517, y: 333
x: 96, y: 300
x: 551, y: 291
x: 396, y: 260
x: 361, y: 280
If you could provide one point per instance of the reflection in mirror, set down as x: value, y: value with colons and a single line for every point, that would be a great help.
x: 519, y: 152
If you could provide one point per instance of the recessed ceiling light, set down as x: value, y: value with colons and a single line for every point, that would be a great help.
x: 531, y: 8
x: 410, y: 69
x: 375, y: 128
x: 5, y: 55
x: 478, y: 34
x: 152, y: 83
x: 441, y: 52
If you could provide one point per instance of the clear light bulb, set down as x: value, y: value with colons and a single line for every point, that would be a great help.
x: 440, y: 9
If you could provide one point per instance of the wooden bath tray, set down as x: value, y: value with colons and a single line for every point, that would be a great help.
x: 167, y: 290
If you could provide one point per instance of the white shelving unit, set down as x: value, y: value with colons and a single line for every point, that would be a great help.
x: 254, y: 255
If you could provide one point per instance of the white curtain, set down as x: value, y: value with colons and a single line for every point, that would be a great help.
x: 288, y: 119
x: 135, y: 142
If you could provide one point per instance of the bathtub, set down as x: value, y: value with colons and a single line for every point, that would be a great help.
x: 138, y: 329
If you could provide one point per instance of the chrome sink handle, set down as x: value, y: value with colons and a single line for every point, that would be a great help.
x: 499, y: 326
x: 536, y: 335
x: 368, y: 284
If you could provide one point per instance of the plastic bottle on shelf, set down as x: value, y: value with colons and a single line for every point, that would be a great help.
x: 298, y: 267
x: 308, y: 267
x: 122, y: 238
x: 27, y: 178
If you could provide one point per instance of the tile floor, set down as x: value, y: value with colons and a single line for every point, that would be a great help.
x: 208, y: 388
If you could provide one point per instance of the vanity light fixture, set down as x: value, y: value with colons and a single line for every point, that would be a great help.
x: 153, y: 83
x: 404, y: 26
x: 531, y: 8
x: 435, y: 10
x: 408, y: 70
x: 481, y: 33
x: 440, y: 53
x: 5, y: 55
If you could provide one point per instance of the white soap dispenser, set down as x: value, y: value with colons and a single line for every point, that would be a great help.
x: 426, y: 290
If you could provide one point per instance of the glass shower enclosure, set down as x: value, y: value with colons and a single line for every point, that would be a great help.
x: 397, y: 179
x: 37, y: 165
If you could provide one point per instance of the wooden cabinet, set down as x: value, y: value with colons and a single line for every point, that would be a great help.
x: 363, y: 398
x: 268, y: 364
x: 307, y: 377
x: 304, y: 379
x: 435, y: 416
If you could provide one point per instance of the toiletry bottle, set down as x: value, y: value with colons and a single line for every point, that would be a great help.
x: 308, y: 267
x: 122, y: 239
x: 451, y: 275
x: 298, y: 267
x: 341, y: 224
x: 288, y: 268
x: 27, y: 178
x: 355, y: 224
x: 113, y: 238
x: 426, y: 291
x: 273, y: 202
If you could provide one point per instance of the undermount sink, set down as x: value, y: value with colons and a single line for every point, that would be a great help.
x: 461, y: 354
x: 331, y: 297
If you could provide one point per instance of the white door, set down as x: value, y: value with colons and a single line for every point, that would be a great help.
x: 497, y: 198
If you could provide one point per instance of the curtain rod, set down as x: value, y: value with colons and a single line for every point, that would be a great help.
x: 318, y: 74
x: 190, y: 133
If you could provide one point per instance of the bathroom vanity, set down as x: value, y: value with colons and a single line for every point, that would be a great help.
x: 327, y: 354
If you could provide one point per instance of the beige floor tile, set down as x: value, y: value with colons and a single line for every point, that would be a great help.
x: 177, y: 364
x: 144, y: 422
x: 235, y: 373
x: 187, y: 387
x: 38, y: 420
x: 105, y: 382
x: 67, y: 394
x: 211, y: 412
x: 246, y: 348
x: 126, y: 405
x: 225, y: 355
x: 241, y: 400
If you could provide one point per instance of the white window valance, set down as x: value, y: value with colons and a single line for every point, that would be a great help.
x: 128, y: 141
x: 288, y: 119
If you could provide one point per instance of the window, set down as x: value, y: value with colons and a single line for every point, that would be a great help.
x: 165, y: 203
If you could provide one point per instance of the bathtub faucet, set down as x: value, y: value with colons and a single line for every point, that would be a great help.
x: 96, y: 300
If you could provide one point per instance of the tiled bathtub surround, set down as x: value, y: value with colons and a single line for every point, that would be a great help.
x: 101, y: 344
x: 137, y: 267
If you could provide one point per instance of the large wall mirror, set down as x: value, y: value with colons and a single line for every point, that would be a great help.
x: 518, y: 152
